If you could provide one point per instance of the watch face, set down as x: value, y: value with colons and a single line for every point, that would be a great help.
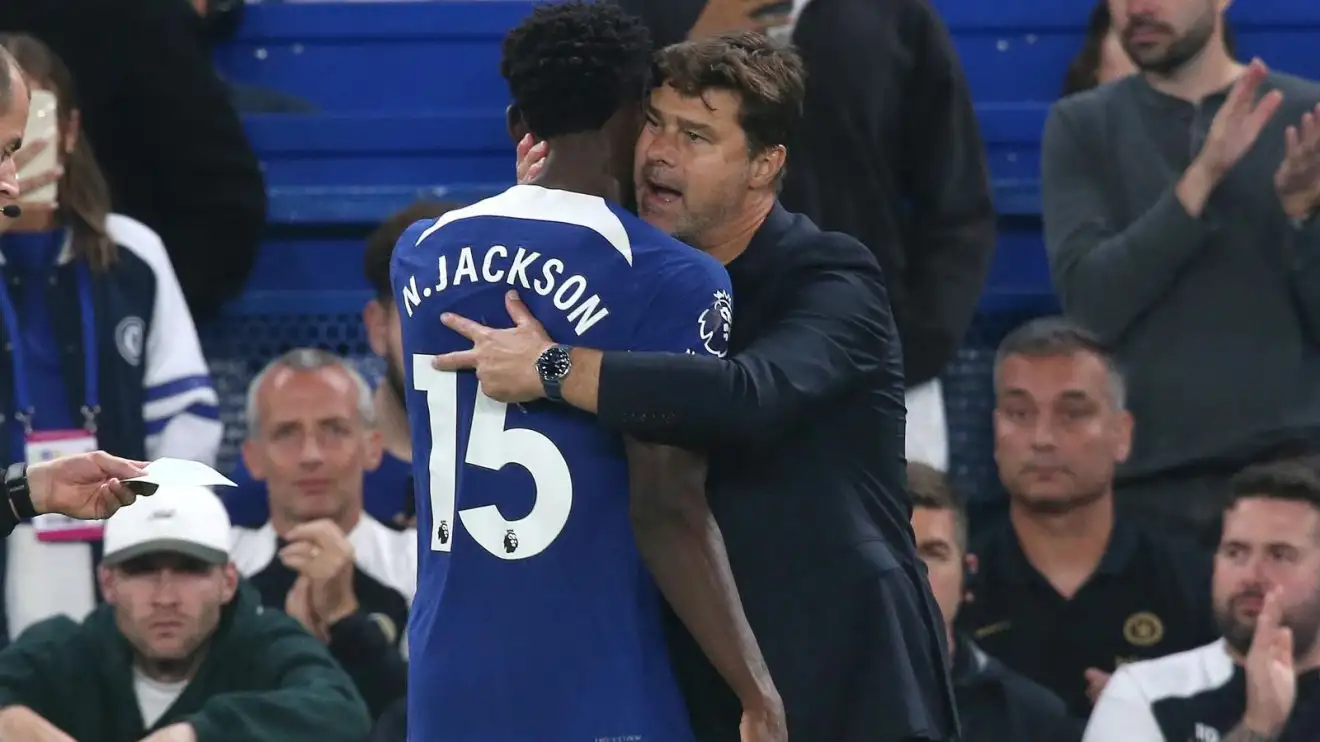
x: 554, y: 364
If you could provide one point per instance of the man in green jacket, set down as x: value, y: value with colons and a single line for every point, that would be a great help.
x: 180, y: 652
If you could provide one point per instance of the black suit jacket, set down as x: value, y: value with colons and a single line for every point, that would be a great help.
x: 804, y: 425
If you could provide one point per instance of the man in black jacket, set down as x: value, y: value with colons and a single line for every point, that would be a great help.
x: 889, y: 152
x: 995, y: 704
x: 803, y: 422
x: 164, y: 132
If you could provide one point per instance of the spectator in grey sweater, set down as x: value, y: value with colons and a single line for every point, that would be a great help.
x: 1179, y: 210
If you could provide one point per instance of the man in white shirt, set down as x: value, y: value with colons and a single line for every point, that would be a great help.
x: 1261, y: 682
x: 321, y: 558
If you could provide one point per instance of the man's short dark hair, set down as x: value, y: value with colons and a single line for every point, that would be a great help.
x: 1051, y: 337
x: 929, y: 488
x: 380, y: 243
x: 571, y: 65
x: 1295, y: 480
x: 768, y: 78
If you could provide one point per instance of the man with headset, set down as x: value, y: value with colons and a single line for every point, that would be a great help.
x: 87, y: 485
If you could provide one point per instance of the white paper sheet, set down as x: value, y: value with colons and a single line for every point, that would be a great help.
x: 169, y: 472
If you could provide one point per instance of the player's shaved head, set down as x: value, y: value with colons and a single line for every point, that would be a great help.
x: 572, y: 65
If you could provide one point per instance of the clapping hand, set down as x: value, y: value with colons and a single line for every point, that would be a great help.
x: 1297, y: 180
x: 1271, y: 674
x: 320, y: 552
x: 1239, y: 122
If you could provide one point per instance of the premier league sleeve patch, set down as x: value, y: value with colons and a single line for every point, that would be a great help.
x: 715, y: 323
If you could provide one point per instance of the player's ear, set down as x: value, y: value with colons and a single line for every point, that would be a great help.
x: 514, y: 120
x: 766, y: 166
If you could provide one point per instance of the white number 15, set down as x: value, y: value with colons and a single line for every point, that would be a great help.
x: 491, y: 446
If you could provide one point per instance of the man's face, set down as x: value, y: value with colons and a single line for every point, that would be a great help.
x: 13, y: 120
x: 1115, y: 64
x: 937, y: 544
x: 692, y: 168
x: 1161, y: 36
x: 1268, y: 543
x: 1058, y: 435
x: 168, y: 605
x: 385, y: 333
x: 312, y: 447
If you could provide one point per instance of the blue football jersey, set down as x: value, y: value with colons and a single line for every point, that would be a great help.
x: 535, y: 619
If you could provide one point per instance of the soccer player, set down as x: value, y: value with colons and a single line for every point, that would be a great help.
x: 535, y: 616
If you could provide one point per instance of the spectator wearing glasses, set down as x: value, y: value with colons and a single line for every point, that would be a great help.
x: 100, y: 352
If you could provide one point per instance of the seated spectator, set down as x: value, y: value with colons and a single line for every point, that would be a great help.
x: 994, y: 703
x: 181, y: 651
x: 170, y: 143
x: 387, y: 490
x: 1168, y: 198
x: 1066, y: 591
x: 105, y: 354
x: 349, y: 579
x: 1262, y: 680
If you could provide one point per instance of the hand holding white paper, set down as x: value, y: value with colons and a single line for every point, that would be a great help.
x: 169, y: 472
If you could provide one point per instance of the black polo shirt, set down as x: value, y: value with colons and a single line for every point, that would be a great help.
x: 1149, y: 597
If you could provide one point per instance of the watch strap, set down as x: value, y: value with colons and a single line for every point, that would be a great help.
x: 554, y: 390
x: 18, y: 492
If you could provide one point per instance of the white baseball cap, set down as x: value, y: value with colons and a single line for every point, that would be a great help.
x: 185, y: 520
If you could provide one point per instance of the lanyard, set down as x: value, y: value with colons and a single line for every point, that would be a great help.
x: 91, y: 391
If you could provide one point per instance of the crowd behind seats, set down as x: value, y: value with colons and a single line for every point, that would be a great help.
x: 366, y: 115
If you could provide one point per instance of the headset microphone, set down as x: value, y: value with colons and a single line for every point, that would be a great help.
x: 13, y: 211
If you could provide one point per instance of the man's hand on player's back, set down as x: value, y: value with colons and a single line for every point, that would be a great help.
x: 505, y: 360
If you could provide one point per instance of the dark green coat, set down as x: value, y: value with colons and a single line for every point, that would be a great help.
x: 264, y: 678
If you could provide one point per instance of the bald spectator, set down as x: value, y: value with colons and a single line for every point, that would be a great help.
x: 321, y: 558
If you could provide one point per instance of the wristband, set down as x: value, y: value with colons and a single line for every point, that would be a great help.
x: 18, y: 492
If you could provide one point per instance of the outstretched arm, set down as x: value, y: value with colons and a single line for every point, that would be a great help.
x: 832, y: 335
